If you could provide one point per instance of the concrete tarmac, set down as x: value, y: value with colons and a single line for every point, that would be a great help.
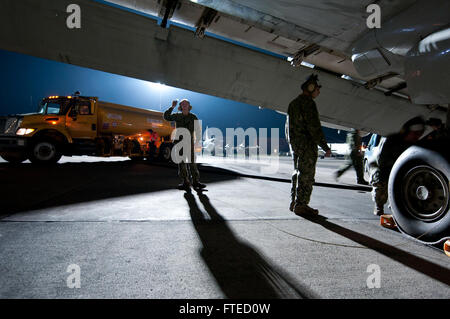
x: 134, y: 235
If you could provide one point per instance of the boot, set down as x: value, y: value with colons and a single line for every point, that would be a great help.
x: 185, y: 185
x: 337, y: 175
x: 300, y: 210
x: 378, y: 211
x: 291, y: 206
x: 362, y: 182
x: 198, y: 185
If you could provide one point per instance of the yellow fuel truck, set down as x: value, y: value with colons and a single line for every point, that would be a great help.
x: 81, y: 125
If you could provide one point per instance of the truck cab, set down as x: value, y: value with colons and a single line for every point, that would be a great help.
x: 44, y: 136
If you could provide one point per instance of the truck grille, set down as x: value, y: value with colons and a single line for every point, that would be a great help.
x: 9, y: 125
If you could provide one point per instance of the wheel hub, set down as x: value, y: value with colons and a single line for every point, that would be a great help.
x: 422, y: 193
x: 44, y: 151
x: 425, y: 193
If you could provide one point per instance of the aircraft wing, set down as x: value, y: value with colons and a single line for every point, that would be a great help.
x: 243, y: 56
x: 322, y: 32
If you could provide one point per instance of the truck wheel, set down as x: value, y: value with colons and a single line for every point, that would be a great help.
x: 15, y: 159
x: 165, y: 152
x: 136, y: 150
x: 419, y: 194
x: 45, y: 152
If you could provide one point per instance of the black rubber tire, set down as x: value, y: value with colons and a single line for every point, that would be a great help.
x: 165, y: 152
x: 15, y: 158
x: 45, y: 151
x: 419, y: 194
x: 136, y: 149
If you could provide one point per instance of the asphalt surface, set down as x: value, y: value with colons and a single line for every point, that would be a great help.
x: 134, y: 235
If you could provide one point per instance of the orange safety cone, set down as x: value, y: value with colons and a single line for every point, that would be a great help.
x: 387, y: 221
x: 447, y: 247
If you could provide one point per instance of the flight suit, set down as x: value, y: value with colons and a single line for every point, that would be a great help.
x: 187, y: 167
x: 304, y: 133
x: 392, y: 148
x: 355, y: 158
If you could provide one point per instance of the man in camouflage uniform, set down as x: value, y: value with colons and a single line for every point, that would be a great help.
x: 304, y: 133
x: 391, y: 149
x: 355, y: 159
x: 187, y: 168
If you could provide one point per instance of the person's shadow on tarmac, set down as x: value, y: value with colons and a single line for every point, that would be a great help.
x: 239, y: 270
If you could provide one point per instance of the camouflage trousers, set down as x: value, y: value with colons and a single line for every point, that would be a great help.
x: 187, y: 168
x: 379, y: 189
x: 356, y: 160
x: 305, y: 160
x: 188, y: 171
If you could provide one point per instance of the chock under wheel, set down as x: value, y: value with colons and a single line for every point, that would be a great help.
x: 447, y: 248
x: 387, y: 221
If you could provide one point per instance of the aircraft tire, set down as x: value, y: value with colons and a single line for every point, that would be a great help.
x: 419, y: 194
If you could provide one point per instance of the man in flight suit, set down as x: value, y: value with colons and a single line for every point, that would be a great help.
x: 304, y: 133
x: 355, y: 159
x: 391, y: 149
x: 187, y: 168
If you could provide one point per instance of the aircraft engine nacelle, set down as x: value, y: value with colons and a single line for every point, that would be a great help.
x: 377, y: 62
x: 414, y: 44
x: 426, y: 69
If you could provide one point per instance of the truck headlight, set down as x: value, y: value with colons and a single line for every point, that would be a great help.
x: 24, y: 131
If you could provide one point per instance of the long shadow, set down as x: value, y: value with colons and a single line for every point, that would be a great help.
x: 424, y: 266
x: 284, y: 180
x: 240, y: 271
x: 221, y: 171
x: 27, y: 187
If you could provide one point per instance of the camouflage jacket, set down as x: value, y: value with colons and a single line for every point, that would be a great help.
x: 185, y: 121
x: 303, y: 125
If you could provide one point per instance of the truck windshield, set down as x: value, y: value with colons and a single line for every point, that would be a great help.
x: 52, y: 107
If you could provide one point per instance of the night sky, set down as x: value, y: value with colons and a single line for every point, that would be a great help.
x: 25, y: 80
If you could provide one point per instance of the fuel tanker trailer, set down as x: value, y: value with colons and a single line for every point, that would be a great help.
x: 81, y: 125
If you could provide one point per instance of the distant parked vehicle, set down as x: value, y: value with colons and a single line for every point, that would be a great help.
x: 321, y: 153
